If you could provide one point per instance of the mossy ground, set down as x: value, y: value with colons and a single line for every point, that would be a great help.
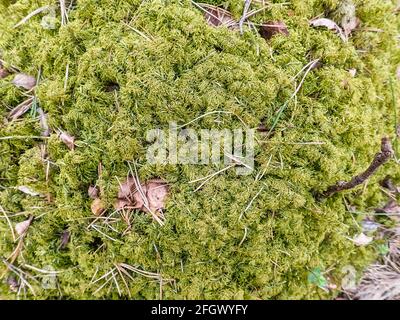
x: 185, y: 69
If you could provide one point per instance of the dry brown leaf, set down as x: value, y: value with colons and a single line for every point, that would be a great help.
x: 127, y: 188
x: 156, y: 192
x: 269, y: 29
x: 97, y: 207
x: 20, y: 109
x: 68, y: 140
x: 121, y: 204
x: 151, y: 197
x: 349, y: 21
x: 23, y: 226
x: 216, y: 16
x: 25, y: 81
x: 93, y: 192
x: 331, y: 25
x: 4, y: 73
x: 349, y: 24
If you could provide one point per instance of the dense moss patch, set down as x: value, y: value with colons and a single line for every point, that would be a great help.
x: 177, y: 68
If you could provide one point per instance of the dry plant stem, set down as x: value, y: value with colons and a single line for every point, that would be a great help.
x: 379, y: 159
x: 245, y: 10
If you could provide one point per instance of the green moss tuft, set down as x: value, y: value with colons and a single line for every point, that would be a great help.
x: 181, y: 69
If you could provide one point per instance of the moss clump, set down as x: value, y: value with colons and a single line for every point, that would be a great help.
x: 181, y: 69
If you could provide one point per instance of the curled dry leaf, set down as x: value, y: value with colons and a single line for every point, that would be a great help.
x: 97, y: 207
x: 20, y: 109
x: 331, y: 25
x: 24, y: 81
x: 362, y: 239
x: 93, y: 192
x: 68, y: 140
x: 216, y: 16
x: 23, y: 226
x: 269, y: 29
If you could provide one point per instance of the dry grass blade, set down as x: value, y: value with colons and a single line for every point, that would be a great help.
x: 64, y: 13
x: 32, y: 14
x: 20, y: 109
x: 9, y: 223
x: 216, y: 16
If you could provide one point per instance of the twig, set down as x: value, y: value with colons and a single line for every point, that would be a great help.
x: 379, y: 159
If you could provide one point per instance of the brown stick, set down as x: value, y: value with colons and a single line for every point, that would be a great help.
x: 379, y: 159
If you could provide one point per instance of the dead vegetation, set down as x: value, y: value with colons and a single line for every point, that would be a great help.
x: 380, y: 158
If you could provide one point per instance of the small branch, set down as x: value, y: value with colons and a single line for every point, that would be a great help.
x: 379, y: 159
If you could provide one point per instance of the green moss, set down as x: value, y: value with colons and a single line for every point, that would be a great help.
x: 183, y: 69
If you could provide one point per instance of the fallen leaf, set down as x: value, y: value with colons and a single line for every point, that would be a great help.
x: 331, y: 25
x: 349, y: 20
x: 127, y: 188
x: 362, y: 239
x: 93, y: 192
x: 391, y: 207
x: 23, y: 226
x: 4, y: 72
x: 349, y: 24
x: 152, y: 195
x: 121, y: 204
x: 28, y: 191
x: 269, y: 29
x: 97, y: 207
x: 68, y: 140
x: 157, y: 192
x: 216, y: 16
x: 25, y: 81
x: 20, y: 109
